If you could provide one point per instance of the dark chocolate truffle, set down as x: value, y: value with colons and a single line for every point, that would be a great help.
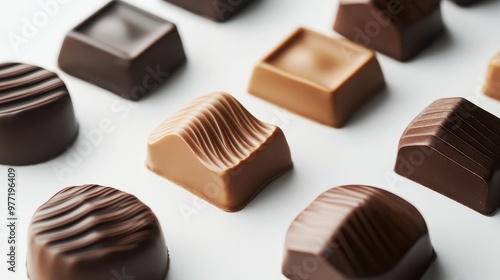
x: 397, y: 28
x: 453, y: 147
x: 37, y: 121
x: 217, y: 150
x: 358, y: 232
x: 123, y: 49
x: 95, y: 232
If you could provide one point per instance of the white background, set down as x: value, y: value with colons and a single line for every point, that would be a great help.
x: 249, y: 244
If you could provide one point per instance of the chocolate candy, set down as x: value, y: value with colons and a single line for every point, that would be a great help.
x: 319, y: 77
x: 122, y: 49
x: 216, y: 10
x: 217, y: 150
x: 37, y: 121
x: 95, y: 232
x: 399, y: 29
x: 453, y: 148
x: 492, y: 86
x: 358, y: 232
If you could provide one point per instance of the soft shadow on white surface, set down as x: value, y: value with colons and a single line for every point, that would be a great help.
x: 370, y: 108
x: 248, y: 11
x: 274, y: 189
x: 434, y: 272
x: 163, y: 88
x: 437, y: 48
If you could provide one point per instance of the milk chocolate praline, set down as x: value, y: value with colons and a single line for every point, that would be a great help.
x: 358, y: 232
x: 217, y: 150
x: 95, y: 232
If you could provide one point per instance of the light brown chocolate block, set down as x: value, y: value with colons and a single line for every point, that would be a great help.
x: 492, y: 87
x: 322, y: 78
x: 217, y: 150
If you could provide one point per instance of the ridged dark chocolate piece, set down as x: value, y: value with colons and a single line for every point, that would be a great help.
x: 217, y: 150
x: 123, y: 49
x: 216, y: 10
x: 399, y: 29
x: 453, y: 147
x: 95, y: 232
x: 37, y: 121
x: 358, y: 232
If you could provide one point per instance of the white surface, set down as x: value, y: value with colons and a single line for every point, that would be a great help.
x: 249, y: 244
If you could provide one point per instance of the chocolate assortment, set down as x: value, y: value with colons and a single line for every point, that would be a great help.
x: 123, y: 49
x: 358, y: 232
x: 217, y: 150
x: 221, y: 153
x: 399, y: 29
x: 95, y: 232
x: 452, y: 147
x: 37, y: 121
x: 319, y: 77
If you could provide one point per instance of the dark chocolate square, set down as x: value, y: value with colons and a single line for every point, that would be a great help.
x: 123, y: 49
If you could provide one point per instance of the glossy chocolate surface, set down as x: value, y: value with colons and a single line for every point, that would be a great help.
x: 217, y: 150
x: 358, y: 232
x: 319, y: 77
x: 123, y: 49
x: 95, y: 232
x: 399, y: 29
x: 453, y: 148
x: 37, y: 121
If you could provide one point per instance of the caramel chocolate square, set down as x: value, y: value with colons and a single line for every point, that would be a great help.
x: 321, y: 78
x: 492, y: 86
x: 122, y: 49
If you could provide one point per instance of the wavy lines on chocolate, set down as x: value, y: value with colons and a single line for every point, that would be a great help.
x: 218, y: 129
x: 24, y: 87
x: 360, y: 230
x: 91, y: 221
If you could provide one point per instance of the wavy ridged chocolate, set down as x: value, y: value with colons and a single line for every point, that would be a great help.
x: 453, y: 147
x: 95, y: 232
x: 37, y: 121
x: 399, y: 29
x: 358, y: 232
x: 217, y: 150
